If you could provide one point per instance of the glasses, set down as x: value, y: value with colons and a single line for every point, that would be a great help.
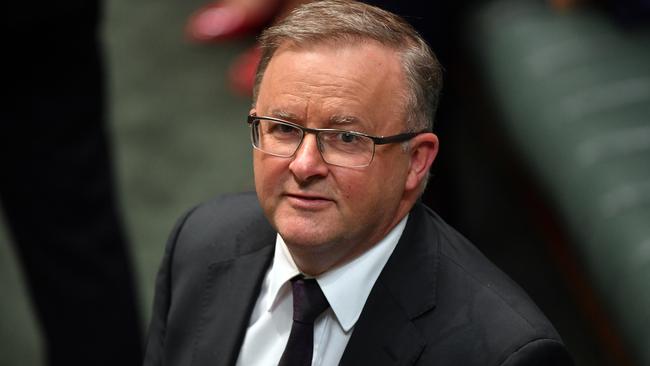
x: 337, y: 147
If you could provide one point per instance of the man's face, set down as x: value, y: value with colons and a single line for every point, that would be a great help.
x: 321, y: 209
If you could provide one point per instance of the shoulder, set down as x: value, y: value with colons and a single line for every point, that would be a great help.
x: 487, y: 318
x: 221, y: 229
x: 221, y: 237
x: 225, y: 211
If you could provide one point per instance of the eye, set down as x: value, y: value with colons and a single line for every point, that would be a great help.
x: 282, y: 129
x: 285, y: 128
x: 348, y: 137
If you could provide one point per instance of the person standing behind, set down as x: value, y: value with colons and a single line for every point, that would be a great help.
x: 334, y: 261
x: 57, y: 188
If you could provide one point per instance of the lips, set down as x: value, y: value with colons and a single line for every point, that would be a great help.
x: 308, y: 201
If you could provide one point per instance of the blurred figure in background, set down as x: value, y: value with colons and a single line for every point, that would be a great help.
x: 224, y: 20
x: 57, y: 188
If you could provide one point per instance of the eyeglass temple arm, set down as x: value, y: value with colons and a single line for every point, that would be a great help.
x: 396, y: 138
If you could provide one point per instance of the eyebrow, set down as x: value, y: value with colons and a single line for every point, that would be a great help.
x: 336, y: 121
x: 282, y: 114
x: 350, y: 123
x: 344, y: 120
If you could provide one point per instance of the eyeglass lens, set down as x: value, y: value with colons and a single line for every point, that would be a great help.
x: 341, y: 148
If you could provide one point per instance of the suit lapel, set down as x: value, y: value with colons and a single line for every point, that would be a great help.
x: 383, y: 335
x: 386, y: 334
x: 229, y: 296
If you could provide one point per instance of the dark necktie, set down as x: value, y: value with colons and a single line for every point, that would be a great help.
x: 308, y: 303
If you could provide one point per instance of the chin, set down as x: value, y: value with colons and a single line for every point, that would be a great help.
x: 299, y: 237
x: 302, y: 232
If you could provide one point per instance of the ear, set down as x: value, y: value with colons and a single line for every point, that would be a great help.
x: 423, y: 151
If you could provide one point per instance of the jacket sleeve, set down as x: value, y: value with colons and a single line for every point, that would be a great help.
x: 155, y: 344
x: 540, y: 352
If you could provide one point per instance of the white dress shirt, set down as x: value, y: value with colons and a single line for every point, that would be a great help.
x: 346, y: 288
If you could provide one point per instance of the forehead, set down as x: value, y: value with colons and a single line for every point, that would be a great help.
x: 355, y: 82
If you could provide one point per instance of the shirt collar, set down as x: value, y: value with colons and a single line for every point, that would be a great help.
x: 282, y: 270
x: 346, y: 297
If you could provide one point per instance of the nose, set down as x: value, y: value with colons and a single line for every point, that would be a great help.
x: 307, y: 163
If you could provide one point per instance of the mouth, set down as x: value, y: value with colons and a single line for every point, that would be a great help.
x: 305, y: 201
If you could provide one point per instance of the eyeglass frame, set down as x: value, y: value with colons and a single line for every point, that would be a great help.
x: 377, y: 140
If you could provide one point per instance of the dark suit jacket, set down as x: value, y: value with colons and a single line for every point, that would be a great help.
x: 438, y: 301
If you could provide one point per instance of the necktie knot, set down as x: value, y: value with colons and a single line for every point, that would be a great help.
x: 308, y: 300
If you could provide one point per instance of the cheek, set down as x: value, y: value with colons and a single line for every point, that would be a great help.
x: 356, y: 190
x: 389, y: 179
x: 258, y: 173
x: 266, y: 173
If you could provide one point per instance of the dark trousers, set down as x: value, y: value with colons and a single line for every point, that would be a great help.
x: 56, y: 188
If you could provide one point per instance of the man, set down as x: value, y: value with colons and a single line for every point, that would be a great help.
x: 340, y: 264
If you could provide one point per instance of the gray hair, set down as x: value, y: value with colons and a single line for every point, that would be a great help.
x: 350, y: 21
